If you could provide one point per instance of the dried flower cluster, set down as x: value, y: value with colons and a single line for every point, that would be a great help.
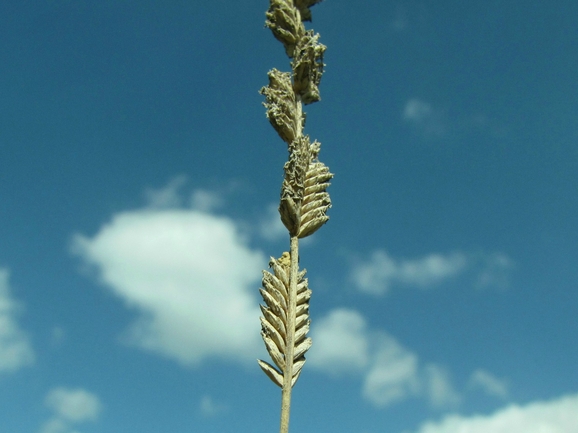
x: 274, y: 322
x: 304, y: 199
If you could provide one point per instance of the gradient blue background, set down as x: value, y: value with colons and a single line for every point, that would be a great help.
x: 103, y: 101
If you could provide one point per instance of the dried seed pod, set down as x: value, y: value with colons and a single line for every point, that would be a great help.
x: 316, y: 201
x: 303, y: 6
x: 308, y: 67
x: 293, y: 186
x: 304, y: 199
x: 284, y: 20
x: 280, y: 104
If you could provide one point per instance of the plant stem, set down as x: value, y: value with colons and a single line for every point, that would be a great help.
x: 290, y: 343
x: 294, y: 269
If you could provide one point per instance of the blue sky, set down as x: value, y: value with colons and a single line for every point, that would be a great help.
x: 139, y: 181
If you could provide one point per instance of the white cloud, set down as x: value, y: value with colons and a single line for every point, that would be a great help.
x: 71, y: 407
x: 393, y: 375
x: 191, y: 277
x: 433, y: 122
x: 416, y: 110
x: 381, y: 271
x: 167, y: 196
x: 495, y: 271
x: 555, y: 416
x: 205, y: 201
x: 170, y: 197
x: 440, y: 390
x: 271, y: 227
x: 57, y: 335
x: 55, y: 425
x: 15, y: 348
x: 74, y: 405
x: 343, y: 343
x: 422, y: 116
x: 210, y: 408
x: 489, y: 383
x: 431, y: 269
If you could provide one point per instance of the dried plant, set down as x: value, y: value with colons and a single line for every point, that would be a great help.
x: 304, y: 200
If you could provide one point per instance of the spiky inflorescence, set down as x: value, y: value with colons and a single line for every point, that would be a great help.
x: 280, y: 104
x: 306, y: 178
x: 308, y: 67
x: 304, y: 198
x: 275, y: 324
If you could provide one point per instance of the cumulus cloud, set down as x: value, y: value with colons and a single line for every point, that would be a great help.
x: 393, y: 375
x: 390, y: 373
x: 380, y: 272
x: 15, y: 348
x: 555, y: 416
x: 189, y: 274
x: 490, y: 384
x: 70, y: 407
x: 341, y: 342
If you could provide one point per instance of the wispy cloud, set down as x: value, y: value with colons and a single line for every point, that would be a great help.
x: 440, y: 391
x: 167, y: 196
x: 431, y: 121
x: 380, y: 271
x: 170, y: 196
x: 426, y: 119
x: 270, y: 227
x: 189, y: 274
x: 494, y: 270
x: 393, y: 374
x: 209, y: 407
x: 490, y: 384
x: 344, y: 344
x: 71, y: 407
x: 15, y: 348
x: 57, y: 336
x: 205, y: 200
x: 560, y: 415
